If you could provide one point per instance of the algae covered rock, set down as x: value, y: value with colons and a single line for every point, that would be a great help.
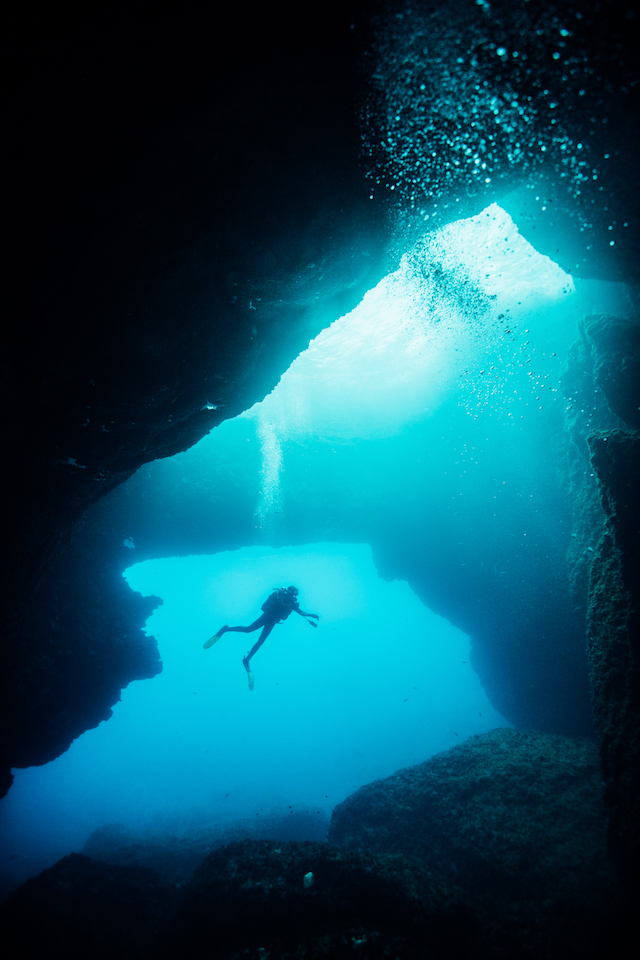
x: 613, y: 641
x: 514, y: 819
x: 268, y: 899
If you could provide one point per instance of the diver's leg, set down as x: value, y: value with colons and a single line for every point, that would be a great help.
x: 260, y: 622
x: 266, y: 630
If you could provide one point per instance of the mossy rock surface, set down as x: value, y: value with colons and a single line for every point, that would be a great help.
x: 251, y: 899
x: 514, y: 819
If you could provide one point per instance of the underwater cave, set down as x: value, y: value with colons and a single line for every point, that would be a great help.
x: 357, y: 314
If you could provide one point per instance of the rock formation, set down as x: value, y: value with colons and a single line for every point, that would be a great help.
x: 252, y: 899
x: 187, y: 210
x: 494, y: 848
x: 614, y: 643
x: 516, y: 822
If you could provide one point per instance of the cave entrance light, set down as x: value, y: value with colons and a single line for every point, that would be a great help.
x: 473, y: 313
x: 463, y: 295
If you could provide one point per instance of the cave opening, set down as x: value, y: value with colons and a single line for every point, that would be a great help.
x: 406, y: 461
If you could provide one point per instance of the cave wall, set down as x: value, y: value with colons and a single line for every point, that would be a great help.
x: 186, y: 210
x: 602, y: 385
x: 614, y: 641
x: 179, y: 231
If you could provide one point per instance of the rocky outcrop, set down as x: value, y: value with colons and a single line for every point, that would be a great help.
x: 586, y: 410
x: 494, y: 849
x: 254, y: 900
x: 602, y: 389
x: 614, y: 642
x: 93, y: 647
x: 186, y: 211
x: 516, y: 821
x: 311, y: 900
x: 615, y: 346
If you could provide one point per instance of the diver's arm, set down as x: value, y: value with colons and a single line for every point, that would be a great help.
x: 303, y: 614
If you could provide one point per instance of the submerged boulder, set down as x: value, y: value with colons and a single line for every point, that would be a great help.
x: 494, y: 849
x: 81, y: 907
x: 254, y: 899
x: 268, y: 899
x: 514, y: 819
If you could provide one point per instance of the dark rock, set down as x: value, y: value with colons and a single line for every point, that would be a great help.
x: 247, y: 899
x: 180, y: 229
x: 586, y: 410
x: 81, y: 643
x: 175, y: 855
x: 81, y: 907
x: 516, y: 821
x: 601, y: 386
x: 614, y: 643
x: 615, y: 344
x: 250, y: 900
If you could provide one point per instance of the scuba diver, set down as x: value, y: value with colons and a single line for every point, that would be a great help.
x: 275, y: 609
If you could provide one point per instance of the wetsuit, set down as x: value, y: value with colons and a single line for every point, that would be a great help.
x: 276, y: 609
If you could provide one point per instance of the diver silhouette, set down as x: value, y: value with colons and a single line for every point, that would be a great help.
x: 276, y: 608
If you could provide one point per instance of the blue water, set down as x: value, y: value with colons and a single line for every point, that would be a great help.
x: 461, y: 349
x: 380, y: 684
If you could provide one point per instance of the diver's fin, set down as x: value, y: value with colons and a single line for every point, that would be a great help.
x: 214, y: 639
x: 245, y: 664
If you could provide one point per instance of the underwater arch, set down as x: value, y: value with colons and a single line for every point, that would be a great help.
x: 380, y: 684
x: 433, y: 460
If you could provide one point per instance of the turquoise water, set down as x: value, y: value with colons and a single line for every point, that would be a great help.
x: 424, y: 416
x: 381, y: 683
